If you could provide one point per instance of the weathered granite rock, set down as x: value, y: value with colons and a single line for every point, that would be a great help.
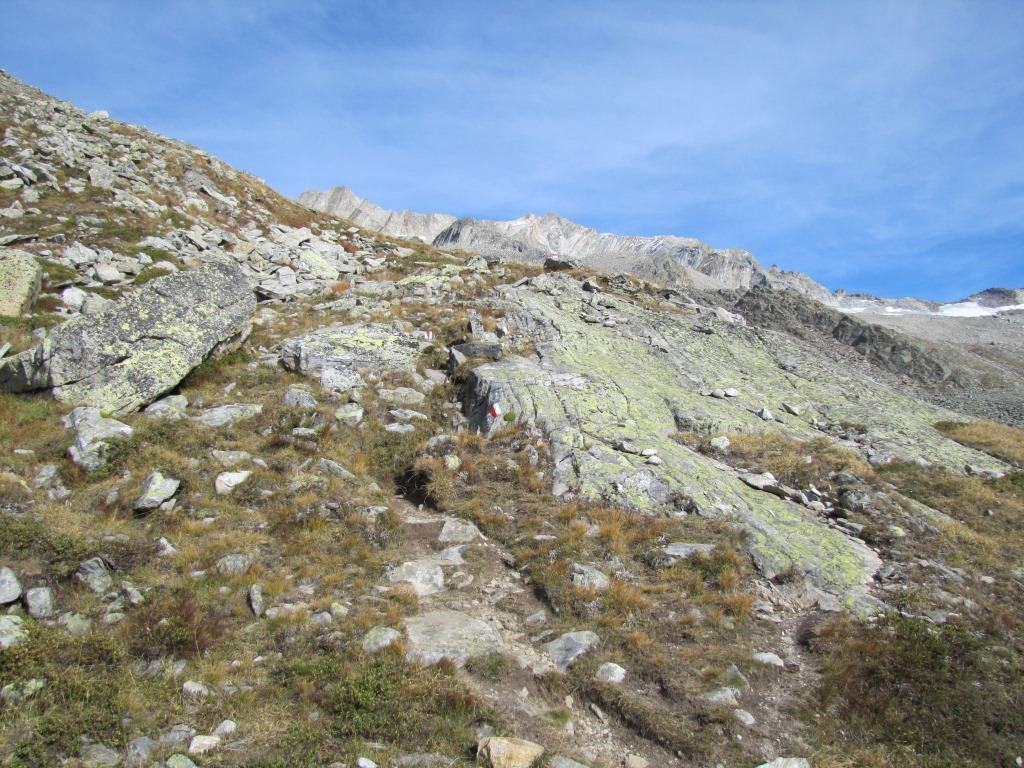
x: 11, y: 631
x: 570, y: 646
x: 334, y: 468
x: 39, y: 602
x: 457, y: 531
x: 299, y: 398
x: 349, y: 414
x: 449, y: 635
x: 95, y: 575
x: 226, y: 482
x: 224, y: 415
x: 588, y: 577
x: 92, y: 431
x: 156, y: 489
x: 611, y: 673
x: 142, y: 346
x: 171, y: 408
x: 20, y: 280
x: 234, y: 564
x: 769, y: 658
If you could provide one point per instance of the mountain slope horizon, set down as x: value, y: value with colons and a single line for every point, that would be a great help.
x: 673, y: 259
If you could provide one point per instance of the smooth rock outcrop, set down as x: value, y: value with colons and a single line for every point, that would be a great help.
x: 142, y: 346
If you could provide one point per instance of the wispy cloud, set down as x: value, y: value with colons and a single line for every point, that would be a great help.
x: 873, y: 145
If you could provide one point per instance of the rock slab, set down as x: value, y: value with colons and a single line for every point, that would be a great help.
x: 449, y: 635
x: 20, y: 280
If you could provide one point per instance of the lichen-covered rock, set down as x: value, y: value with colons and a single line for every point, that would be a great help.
x: 585, y: 399
x: 141, y: 347
x: 156, y: 489
x: 20, y: 280
x: 11, y: 630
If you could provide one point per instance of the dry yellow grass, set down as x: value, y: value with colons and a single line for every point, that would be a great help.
x: 1000, y: 440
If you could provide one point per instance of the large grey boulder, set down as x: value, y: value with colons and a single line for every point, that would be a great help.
x: 20, y: 280
x: 139, y: 348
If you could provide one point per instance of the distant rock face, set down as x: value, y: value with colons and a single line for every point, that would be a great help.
x: 998, y: 297
x: 20, y: 279
x: 534, y: 238
x: 343, y: 202
x: 805, y: 319
x: 139, y: 348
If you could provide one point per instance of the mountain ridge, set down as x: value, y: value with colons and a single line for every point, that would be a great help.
x: 534, y: 238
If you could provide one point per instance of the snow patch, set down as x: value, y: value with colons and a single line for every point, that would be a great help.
x: 974, y: 309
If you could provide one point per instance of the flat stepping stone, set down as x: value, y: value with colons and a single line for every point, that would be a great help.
x: 451, y: 635
x: 223, y: 415
x: 458, y: 532
x: 426, y: 576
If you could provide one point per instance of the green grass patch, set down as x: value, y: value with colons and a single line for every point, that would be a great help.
x: 381, y: 699
x: 937, y: 695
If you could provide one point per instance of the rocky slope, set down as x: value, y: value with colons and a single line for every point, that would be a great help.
x: 306, y: 496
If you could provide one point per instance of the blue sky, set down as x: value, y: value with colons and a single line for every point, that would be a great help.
x: 877, y: 146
